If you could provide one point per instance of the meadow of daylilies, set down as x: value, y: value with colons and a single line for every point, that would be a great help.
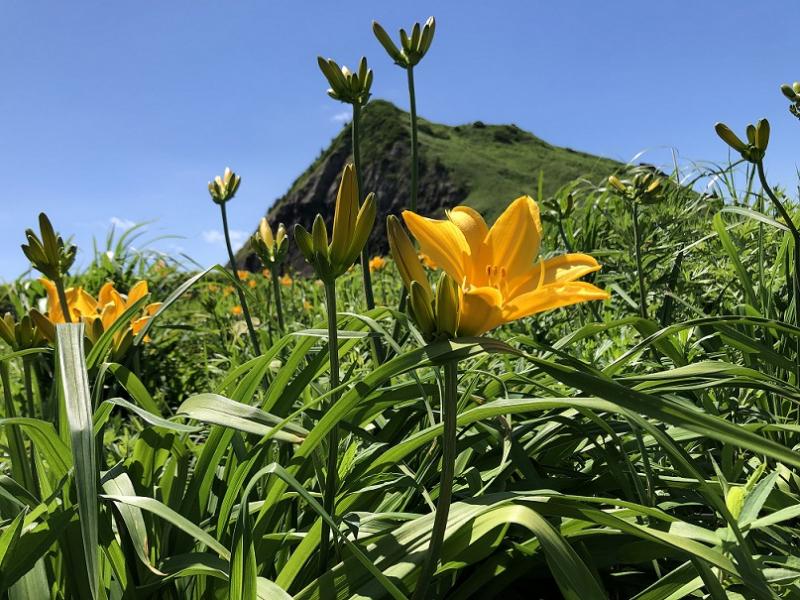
x: 594, y: 395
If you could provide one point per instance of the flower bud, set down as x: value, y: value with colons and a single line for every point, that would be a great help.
x: 265, y: 232
x: 789, y: 92
x: 365, y: 220
x: 387, y: 43
x: 762, y: 135
x: 614, y: 181
x: 304, y: 242
x: 421, y: 309
x: 404, y: 255
x: 729, y: 137
x: 319, y: 235
x: 447, y: 306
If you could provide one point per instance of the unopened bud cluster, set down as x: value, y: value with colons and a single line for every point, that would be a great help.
x: 351, y: 228
x: 48, y: 253
x: 412, y: 47
x: 270, y: 248
x: 792, y: 92
x: 757, y: 140
x: 224, y: 187
x: 347, y: 86
x: 643, y: 188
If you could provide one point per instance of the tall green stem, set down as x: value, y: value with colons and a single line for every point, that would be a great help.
x: 369, y: 295
x: 412, y: 97
x: 27, y: 369
x: 242, y: 300
x: 637, y: 245
x: 276, y: 289
x: 62, y: 299
x: 449, y: 421
x: 332, y: 469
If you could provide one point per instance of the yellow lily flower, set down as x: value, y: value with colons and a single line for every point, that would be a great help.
x: 98, y: 315
x: 496, y: 269
x: 80, y: 302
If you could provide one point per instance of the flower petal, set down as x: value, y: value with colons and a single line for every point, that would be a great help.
x: 480, y: 311
x: 83, y: 303
x: 474, y: 228
x: 53, y: 305
x: 552, y: 296
x: 442, y: 241
x: 515, y: 237
x: 139, y: 290
x: 559, y: 269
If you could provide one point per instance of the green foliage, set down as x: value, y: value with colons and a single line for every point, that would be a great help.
x: 599, y: 453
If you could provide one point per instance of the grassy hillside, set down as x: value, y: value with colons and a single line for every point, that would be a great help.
x: 484, y: 166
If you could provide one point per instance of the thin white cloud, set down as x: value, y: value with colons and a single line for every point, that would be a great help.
x: 215, y: 236
x: 121, y: 223
x: 341, y: 117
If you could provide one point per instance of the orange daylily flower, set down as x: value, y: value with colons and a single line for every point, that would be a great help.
x: 500, y: 280
x: 376, y: 263
x: 236, y: 310
x: 100, y: 314
x: 80, y: 302
x: 286, y: 280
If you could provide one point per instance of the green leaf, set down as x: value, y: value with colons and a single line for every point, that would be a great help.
x: 78, y: 404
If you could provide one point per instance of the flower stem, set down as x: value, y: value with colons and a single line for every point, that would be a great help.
x: 332, y: 468
x: 242, y: 299
x: 412, y: 97
x: 637, y: 242
x: 796, y: 237
x: 62, y: 299
x: 369, y: 295
x: 276, y: 289
x: 449, y: 420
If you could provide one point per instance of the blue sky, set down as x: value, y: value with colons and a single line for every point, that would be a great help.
x: 122, y: 111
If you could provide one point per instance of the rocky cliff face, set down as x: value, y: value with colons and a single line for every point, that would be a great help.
x: 485, y: 166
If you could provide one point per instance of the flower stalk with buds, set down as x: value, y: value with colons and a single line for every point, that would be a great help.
x: 352, y: 225
x: 271, y: 250
x: 412, y: 48
x: 353, y: 88
x: 223, y: 189
x: 753, y: 151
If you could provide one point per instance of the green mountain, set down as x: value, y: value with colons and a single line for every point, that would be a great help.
x: 484, y: 166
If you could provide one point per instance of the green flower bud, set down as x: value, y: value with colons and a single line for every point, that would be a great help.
x: 789, y: 92
x: 421, y: 309
x: 305, y: 243
x: 387, y: 43
x: 729, y: 137
x: 319, y: 235
x: 447, y: 307
x: 762, y: 135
